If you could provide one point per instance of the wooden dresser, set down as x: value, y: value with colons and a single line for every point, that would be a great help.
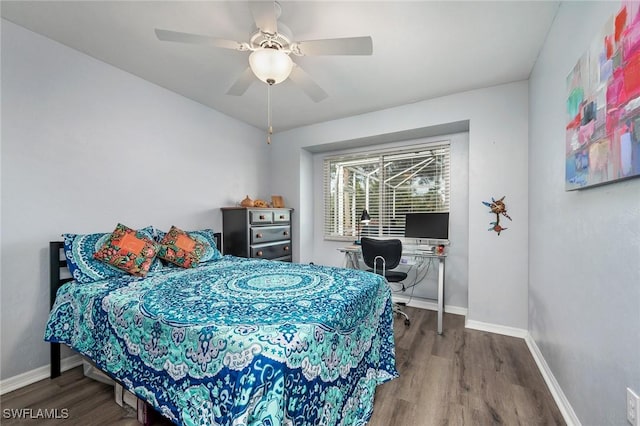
x: 257, y: 232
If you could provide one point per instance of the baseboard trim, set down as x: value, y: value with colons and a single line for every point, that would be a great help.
x: 429, y: 304
x: 496, y: 328
x: 564, y: 406
x: 35, y: 375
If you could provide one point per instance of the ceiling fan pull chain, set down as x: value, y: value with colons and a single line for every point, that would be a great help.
x: 269, y: 128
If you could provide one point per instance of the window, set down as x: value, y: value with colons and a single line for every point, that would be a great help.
x: 388, y: 184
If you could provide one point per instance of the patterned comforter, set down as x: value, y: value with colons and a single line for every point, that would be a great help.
x: 238, y: 341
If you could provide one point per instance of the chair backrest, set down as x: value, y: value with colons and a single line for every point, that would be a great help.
x: 390, y: 250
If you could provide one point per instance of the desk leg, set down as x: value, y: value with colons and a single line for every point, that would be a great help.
x: 440, y: 293
x: 354, y: 259
x: 347, y: 261
x: 351, y: 260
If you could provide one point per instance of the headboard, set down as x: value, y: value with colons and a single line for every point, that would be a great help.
x: 58, y: 268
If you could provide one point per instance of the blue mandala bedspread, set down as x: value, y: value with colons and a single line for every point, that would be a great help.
x: 238, y: 341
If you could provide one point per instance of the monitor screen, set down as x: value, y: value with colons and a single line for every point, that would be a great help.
x: 428, y: 226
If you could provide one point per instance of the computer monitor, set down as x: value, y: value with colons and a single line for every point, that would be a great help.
x: 427, y: 226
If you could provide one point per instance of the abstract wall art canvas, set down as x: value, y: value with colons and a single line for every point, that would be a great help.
x: 603, y: 105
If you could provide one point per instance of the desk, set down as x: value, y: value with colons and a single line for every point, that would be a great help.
x: 351, y: 260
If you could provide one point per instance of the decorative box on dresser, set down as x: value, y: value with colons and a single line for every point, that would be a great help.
x: 257, y: 232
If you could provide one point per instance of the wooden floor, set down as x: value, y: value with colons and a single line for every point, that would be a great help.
x: 463, y: 377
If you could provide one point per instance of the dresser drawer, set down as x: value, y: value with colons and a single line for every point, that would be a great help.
x: 267, y: 234
x: 271, y: 251
x: 280, y: 216
x: 257, y: 217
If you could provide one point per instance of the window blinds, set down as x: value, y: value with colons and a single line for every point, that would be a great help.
x: 388, y: 184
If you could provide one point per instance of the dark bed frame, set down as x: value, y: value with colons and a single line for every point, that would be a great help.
x: 58, y: 264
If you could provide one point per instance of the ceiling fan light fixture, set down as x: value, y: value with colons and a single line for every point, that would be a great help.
x: 270, y: 65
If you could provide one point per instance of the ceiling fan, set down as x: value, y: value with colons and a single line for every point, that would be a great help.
x: 271, y: 45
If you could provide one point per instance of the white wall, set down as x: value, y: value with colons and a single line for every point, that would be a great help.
x: 86, y: 145
x: 584, y: 291
x: 326, y: 252
x: 498, y: 137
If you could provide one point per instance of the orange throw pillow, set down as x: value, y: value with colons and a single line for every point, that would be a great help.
x: 179, y: 248
x: 128, y: 250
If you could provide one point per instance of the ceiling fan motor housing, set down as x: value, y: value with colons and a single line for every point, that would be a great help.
x: 281, y: 40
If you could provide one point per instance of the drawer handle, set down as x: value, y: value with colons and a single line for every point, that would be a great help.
x: 281, y: 216
x: 259, y: 253
x: 258, y: 235
x: 262, y: 217
x: 285, y: 233
x: 286, y: 248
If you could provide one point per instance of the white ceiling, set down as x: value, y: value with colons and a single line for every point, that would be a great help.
x: 421, y: 49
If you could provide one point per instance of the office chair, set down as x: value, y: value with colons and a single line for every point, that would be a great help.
x: 382, y: 256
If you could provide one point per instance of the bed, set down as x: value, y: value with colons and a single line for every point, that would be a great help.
x: 234, y: 341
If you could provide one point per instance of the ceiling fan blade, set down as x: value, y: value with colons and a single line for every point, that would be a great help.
x: 265, y: 15
x: 335, y: 46
x: 242, y: 83
x: 306, y: 83
x: 166, y: 35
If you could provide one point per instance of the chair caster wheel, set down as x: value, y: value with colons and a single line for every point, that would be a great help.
x: 407, y: 322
